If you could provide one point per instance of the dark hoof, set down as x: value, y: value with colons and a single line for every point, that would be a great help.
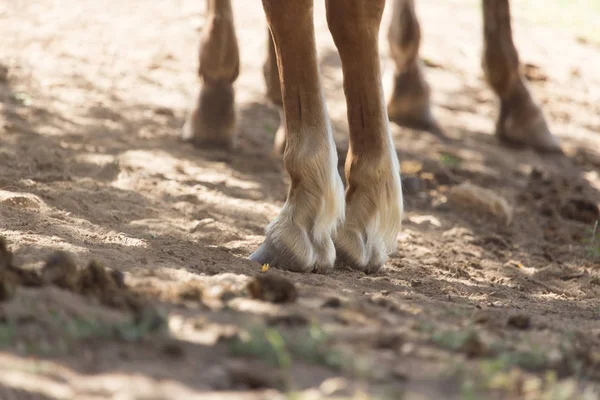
x: 200, y: 143
x: 544, y: 143
x: 521, y: 123
x: 532, y: 132
x: 211, y: 123
x: 425, y: 122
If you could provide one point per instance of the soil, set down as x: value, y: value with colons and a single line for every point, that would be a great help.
x: 124, y: 271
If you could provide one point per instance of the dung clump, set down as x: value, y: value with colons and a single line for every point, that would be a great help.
x: 60, y: 270
x: 95, y: 281
x: 7, y: 281
x: 6, y: 256
x: 272, y: 288
x: 10, y: 276
x: 8, y: 286
x: 582, y: 210
x: 519, y: 321
x: 98, y: 284
x: 191, y: 291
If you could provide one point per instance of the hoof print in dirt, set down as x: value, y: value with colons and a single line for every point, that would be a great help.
x: 272, y: 288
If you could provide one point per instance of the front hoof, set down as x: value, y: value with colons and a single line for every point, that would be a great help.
x: 211, y: 123
x: 358, y: 254
x: 368, y: 268
x: 357, y: 265
x: 277, y: 255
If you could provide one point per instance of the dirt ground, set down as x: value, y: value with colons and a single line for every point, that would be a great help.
x: 92, y: 97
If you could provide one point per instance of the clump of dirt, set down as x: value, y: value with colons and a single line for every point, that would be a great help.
x: 172, y: 293
x: 272, y: 288
x: 93, y: 281
x: 581, y: 210
x: 248, y: 376
x: 191, y: 291
x: 472, y: 197
x: 519, y: 321
x: 11, y: 276
x: 60, y: 269
x: 473, y: 346
x: 127, y: 313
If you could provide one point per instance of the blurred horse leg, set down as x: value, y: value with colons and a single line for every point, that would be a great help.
x: 373, y: 193
x: 300, y: 237
x: 520, y: 120
x: 409, y: 104
x: 211, y: 121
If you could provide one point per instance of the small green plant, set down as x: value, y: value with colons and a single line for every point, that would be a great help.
x: 22, y: 98
x: 311, y: 345
x: 279, y: 350
x: 533, y: 359
x: 450, y: 161
x: 269, y: 128
x: 255, y: 342
x: 501, y: 376
x: 592, y: 249
x: 64, y: 331
x: 454, y: 340
x: 8, y: 333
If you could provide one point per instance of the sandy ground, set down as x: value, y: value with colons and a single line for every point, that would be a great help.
x: 92, y: 97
